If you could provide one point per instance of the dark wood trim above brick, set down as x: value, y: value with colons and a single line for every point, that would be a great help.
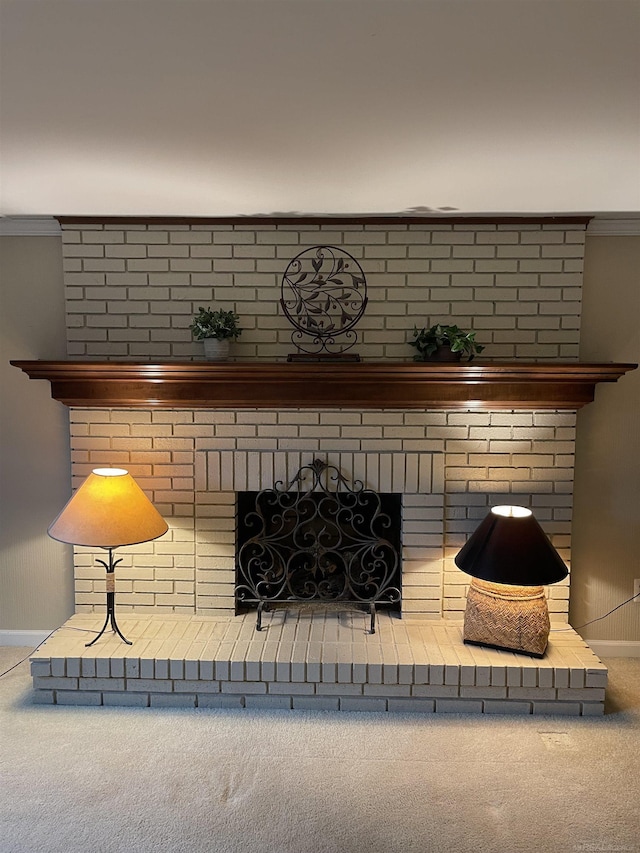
x: 367, y: 385
x: 400, y: 219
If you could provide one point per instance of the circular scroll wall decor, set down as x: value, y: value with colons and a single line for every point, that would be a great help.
x: 324, y: 295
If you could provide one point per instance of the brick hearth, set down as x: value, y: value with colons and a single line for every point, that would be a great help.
x: 316, y: 661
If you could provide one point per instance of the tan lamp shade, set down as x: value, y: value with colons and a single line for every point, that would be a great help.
x: 109, y: 509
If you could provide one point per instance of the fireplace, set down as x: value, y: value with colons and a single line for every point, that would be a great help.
x: 412, y: 486
x: 318, y: 541
x: 131, y: 288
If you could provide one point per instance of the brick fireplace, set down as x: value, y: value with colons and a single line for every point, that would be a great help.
x: 132, y: 287
x: 131, y: 290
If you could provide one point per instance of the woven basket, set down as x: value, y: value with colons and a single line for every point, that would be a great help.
x: 507, y: 617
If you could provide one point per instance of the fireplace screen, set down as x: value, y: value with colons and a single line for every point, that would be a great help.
x: 318, y: 540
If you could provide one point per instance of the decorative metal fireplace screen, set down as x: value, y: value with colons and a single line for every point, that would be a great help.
x: 331, y: 543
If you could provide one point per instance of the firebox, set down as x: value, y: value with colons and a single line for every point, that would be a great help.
x: 318, y: 541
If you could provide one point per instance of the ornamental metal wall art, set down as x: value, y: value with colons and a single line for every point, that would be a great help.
x: 330, y: 543
x: 323, y: 296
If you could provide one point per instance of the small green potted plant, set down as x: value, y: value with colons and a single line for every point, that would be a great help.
x: 215, y: 329
x: 444, y: 343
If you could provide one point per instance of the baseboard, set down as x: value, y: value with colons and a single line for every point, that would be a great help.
x: 614, y: 648
x: 23, y: 638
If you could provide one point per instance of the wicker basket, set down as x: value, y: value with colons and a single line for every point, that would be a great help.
x: 507, y: 617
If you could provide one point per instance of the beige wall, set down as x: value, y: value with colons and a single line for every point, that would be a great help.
x: 606, y: 528
x: 36, y: 584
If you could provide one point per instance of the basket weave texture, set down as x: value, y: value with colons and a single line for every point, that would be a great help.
x: 510, y: 617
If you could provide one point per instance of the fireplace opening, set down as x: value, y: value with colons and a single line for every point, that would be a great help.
x: 318, y: 541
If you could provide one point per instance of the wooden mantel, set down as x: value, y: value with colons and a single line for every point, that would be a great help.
x: 366, y: 385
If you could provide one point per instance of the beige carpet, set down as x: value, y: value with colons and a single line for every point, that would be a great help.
x: 114, y: 780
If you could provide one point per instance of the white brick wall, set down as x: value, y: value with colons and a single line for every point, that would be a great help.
x: 131, y: 290
x: 487, y: 458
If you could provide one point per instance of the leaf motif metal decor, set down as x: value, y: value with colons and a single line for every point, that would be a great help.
x: 323, y: 295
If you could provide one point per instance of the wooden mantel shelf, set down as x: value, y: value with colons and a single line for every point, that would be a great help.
x: 366, y: 385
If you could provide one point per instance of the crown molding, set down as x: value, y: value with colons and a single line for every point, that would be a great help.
x: 29, y: 226
x: 49, y: 226
x: 600, y: 227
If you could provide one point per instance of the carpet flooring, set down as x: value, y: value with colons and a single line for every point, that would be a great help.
x: 128, y: 780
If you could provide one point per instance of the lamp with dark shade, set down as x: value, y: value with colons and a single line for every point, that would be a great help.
x: 510, y: 559
x: 107, y: 511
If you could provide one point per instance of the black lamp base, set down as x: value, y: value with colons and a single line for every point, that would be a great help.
x: 111, y: 619
x: 111, y: 601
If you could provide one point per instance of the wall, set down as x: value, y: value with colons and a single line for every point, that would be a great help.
x: 132, y: 288
x: 488, y: 458
x: 36, y: 578
x: 606, y: 543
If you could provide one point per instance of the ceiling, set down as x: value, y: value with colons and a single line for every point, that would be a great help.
x: 251, y: 107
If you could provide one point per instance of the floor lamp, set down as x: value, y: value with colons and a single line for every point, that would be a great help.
x: 107, y: 511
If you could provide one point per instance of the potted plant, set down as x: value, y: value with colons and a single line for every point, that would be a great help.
x: 215, y: 329
x: 444, y: 343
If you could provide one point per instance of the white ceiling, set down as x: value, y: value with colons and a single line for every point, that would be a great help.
x: 225, y: 107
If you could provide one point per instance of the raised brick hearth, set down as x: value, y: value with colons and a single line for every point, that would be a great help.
x: 317, y: 661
